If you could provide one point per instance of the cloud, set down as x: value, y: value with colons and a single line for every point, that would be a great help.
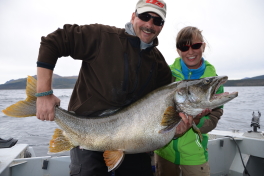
x: 233, y: 30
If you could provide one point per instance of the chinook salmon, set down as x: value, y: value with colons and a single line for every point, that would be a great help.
x: 146, y: 125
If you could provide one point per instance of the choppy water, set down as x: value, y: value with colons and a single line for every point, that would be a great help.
x: 36, y: 133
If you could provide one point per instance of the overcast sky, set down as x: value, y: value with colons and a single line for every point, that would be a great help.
x: 233, y: 30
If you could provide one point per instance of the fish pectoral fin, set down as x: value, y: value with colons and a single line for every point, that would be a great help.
x: 170, y: 119
x: 196, y: 129
x: 168, y: 128
x: 59, y: 142
x: 113, y: 159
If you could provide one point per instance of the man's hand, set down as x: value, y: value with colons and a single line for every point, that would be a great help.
x: 184, y: 125
x: 46, y: 107
x: 199, y: 116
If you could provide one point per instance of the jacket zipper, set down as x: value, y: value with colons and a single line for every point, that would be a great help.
x: 125, y: 85
x: 141, y: 90
x: 189, y: 75
x: 147, y: 81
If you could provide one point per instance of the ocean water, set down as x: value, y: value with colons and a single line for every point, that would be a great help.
x: 237, y: 115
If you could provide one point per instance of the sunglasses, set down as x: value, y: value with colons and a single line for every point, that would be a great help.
x: 158, y: 21
x: 193, y: 46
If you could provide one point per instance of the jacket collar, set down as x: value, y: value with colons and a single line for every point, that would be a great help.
x: 194, y: 73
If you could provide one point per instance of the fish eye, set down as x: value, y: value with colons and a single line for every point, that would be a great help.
x: 206, y: 81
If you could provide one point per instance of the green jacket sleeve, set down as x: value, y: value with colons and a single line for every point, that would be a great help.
x: 210, y: 123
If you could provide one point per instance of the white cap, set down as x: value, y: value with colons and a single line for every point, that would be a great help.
x: 156, y: 6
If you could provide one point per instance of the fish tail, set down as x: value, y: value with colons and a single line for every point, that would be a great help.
x: 198, y: 131
x: 26, y: 107
x: 59, y: 142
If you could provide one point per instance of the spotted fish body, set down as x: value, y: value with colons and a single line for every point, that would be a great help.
x: 145, y: 125
x: 134, y: 129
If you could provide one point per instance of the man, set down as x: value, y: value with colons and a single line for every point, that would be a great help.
x: 119, y: 66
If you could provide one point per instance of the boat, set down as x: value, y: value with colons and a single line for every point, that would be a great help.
x: 234, y: 153
x: 231, y: 153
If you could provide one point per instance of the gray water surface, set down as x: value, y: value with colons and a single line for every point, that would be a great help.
x: 36, y: 133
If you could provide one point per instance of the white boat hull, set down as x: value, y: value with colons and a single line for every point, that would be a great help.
x: 224, y: 157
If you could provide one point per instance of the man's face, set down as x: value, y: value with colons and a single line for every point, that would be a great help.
x: 146, y: 31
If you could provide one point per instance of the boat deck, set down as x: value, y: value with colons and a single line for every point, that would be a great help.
x: 232, y: 152
x: 7, y: 155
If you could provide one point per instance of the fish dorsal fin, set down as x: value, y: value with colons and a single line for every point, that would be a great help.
x: 113, y: 159
x: 59, y: 142
x: 170, y: 119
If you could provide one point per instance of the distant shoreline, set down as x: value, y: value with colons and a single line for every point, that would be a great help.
x: 60, y: 82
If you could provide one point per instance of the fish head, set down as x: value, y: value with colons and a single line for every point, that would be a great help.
x: 193, y: 96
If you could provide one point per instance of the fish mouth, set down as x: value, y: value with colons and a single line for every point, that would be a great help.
x: 216, y: 84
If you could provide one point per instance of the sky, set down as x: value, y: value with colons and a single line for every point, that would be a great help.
x: 233, y: 31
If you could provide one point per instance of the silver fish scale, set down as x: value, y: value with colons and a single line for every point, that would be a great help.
x: 134, y: 129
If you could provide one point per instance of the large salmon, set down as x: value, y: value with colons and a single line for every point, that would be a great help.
x: 146, y: 125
